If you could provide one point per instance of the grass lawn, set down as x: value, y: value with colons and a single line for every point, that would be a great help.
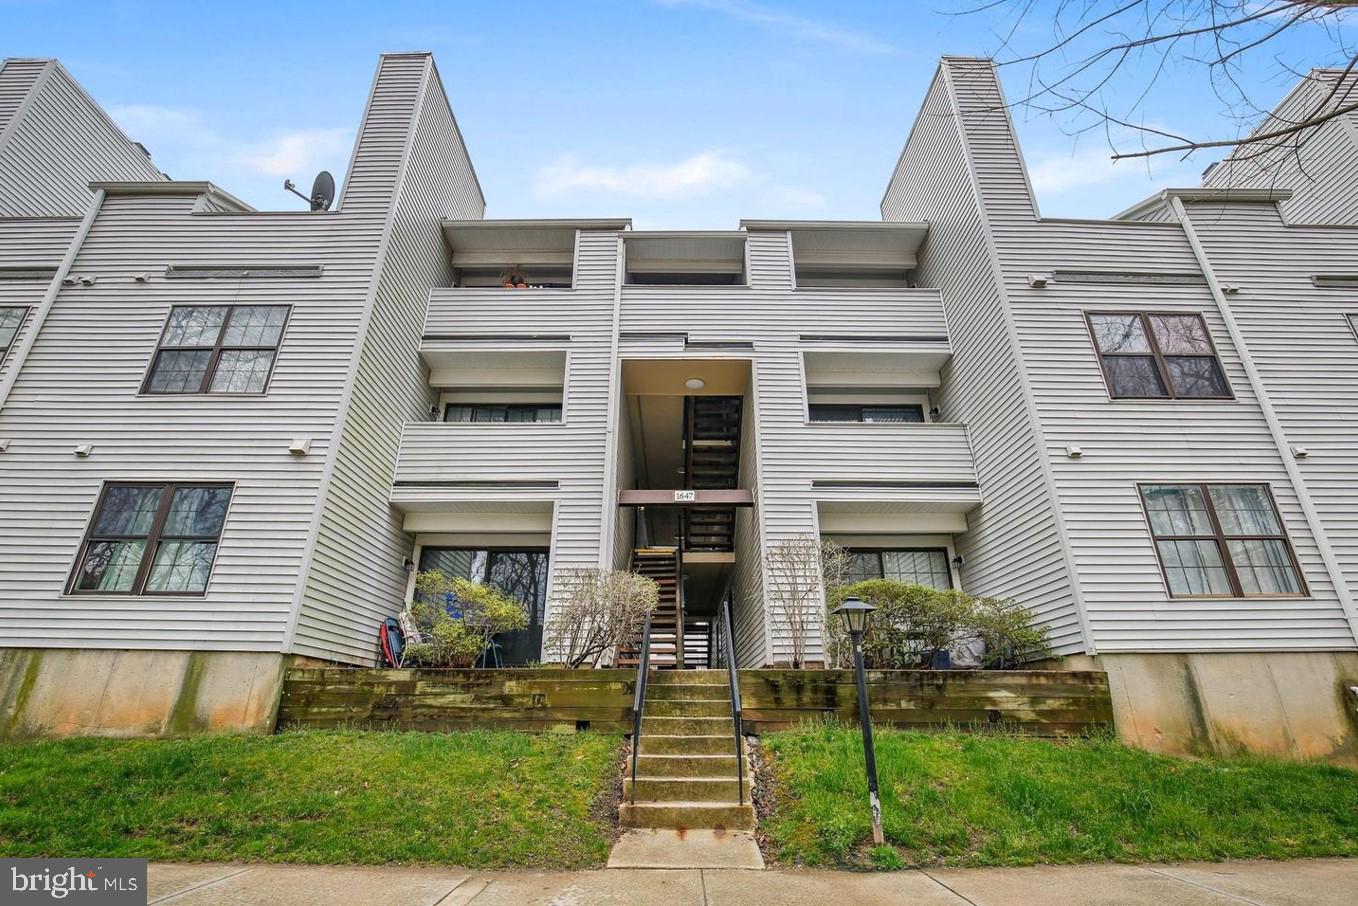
x: 481, y: 799
x: 956, y: 799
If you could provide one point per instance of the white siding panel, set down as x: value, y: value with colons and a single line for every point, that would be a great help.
x: 59, y: 143
x: 1013, y: 548
x: 356, y: 574
x: 16, y: 80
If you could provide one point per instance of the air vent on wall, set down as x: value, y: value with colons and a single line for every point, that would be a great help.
x: 1153, y: 278
x: 1335, y: 280
x: 219, y: 272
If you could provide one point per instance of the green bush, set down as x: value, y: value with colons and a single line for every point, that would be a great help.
x: 450, y: 641
x: 912, y: 623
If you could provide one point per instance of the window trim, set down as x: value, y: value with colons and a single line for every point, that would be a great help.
x: 811, y: 406
x: 930, y: 549
x: 204, y: 386
x: 1219, y: 538
x: 559, y: 406
x: 1156, y: 355
x: 18, y: 330
x: 153, y: 539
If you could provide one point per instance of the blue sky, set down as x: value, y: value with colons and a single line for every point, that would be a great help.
x: 678, y: 113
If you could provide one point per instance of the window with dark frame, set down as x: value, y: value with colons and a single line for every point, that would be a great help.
x: 1221, y: 541
x: 923, y: 566
x: 11, y: 318
x: 874, y: 414
x: 152, y: 539
x: 217, y: 349
x: 502, y: 412
x: 1149, y: 355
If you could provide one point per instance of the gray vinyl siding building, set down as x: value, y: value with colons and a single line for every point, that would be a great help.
x: 927, y: 387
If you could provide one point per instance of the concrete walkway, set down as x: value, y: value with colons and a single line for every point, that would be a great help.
x: 1307, y: 882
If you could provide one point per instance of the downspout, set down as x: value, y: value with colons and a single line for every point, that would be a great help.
x: 49, y: 298
x: 1275, y: 428
x: 609, y: 516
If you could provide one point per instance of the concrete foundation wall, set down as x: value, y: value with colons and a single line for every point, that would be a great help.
x: 83, y: 692
x: 1282, y: 704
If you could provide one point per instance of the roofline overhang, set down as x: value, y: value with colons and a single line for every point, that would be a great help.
x: 171, y: 187
x: 1206, y: 195
x: 846, y: 225
x: 597, y: 223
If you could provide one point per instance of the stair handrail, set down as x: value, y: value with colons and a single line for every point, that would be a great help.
x: 639, y: 700
x: 735, y: 696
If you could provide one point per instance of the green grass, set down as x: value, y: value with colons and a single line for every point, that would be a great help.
x: 957, y: 799
x: 481, y: 799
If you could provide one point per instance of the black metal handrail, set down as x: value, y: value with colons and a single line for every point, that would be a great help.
x: 639, y: 700
x: 735, y: 695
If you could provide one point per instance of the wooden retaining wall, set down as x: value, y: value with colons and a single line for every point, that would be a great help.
x: 1040, y: 702
x: 546, y: 699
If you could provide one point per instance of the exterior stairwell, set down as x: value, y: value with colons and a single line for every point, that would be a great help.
x: 686, y: 764
x: 711, y: 462
x: 660, y: 565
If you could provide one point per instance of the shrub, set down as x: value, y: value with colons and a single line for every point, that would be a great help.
x: 913, y: 623
x: 458, y: 639
x: 599, y: 610
x: 802, y: 571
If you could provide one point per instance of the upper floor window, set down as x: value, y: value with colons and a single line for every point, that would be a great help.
x: 920, y: 566
x: 217, y: 349
x: 10, y: 319
x: 1158, y: 356
x: 502, y: 412
x: 842, y: 412
x: 152, y: 539
x: 1221, y: 540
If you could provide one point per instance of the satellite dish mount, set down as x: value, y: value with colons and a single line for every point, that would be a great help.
x: 322, y: 191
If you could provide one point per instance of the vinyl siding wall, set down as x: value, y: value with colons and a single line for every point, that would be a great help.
x: 29, y: 243
x: 573, y: 452
x: 1123, y: 441
x: 1013, y: 547
x: 56, y: 144
x: 1317, y: 165
x: 1305, y: 351
x: 356, y: 575
x: 81, y: 385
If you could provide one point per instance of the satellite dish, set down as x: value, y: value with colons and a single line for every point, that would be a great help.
x: 322, y: 191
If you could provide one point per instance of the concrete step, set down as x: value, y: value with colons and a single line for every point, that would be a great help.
x: 689, y: 677
x: 674, y: 707
x: 687, y: 765
x: 687, y: 745
x: 685, y: 789
x: 687, y: 814
x: 690, y: 691
x: 686, y: 726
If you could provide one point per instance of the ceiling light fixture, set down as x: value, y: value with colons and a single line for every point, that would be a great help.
x: 695, y: 383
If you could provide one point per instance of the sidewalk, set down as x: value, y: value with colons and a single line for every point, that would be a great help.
x: 1308, y: 882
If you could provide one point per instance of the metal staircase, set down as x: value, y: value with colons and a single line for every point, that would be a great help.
x: 711, y: 462
x: 660, y: 565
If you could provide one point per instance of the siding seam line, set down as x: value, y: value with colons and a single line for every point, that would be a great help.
x: 18, y: 357
x: 1016, y: 347
x: 29, y: 99
x: 1275, y: 428
x: 341, y: 415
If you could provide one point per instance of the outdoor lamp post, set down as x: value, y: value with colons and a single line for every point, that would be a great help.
x: 854, y: 615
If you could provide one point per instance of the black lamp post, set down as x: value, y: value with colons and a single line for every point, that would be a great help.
x: 854, y: 614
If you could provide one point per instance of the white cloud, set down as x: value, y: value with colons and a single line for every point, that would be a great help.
x: 186, y: 144
x: 1066, y: 171
x: 790, y: 23
x: 299, y: 151
x: 698, y: 174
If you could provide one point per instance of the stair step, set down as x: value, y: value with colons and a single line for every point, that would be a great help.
x: 686, y: 726
x: 686, y: 745
x: 723, y: 765
x: 716, y: 692
x: 670, y: 707
x: 687, y: 815
x: 685, y: 789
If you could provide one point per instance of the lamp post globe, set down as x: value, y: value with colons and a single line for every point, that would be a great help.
x: 854, y: 614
